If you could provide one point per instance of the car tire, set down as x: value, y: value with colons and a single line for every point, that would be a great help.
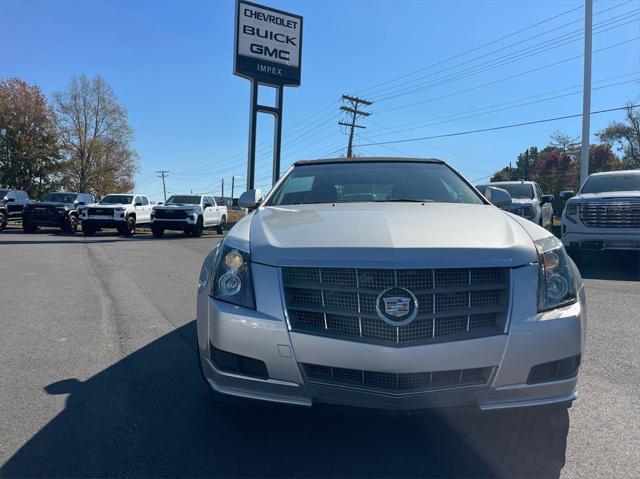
x: 87, y: 229
x: 198, y: 228
x: 3, y: 221
x: 220, y: 227
x: 157, y: 232
x: 70, y: 225
x: 29, y: 227
x: 129, y: 228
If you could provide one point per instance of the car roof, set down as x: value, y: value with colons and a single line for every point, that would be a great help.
x: 360, y: 159
x: 618, y: 172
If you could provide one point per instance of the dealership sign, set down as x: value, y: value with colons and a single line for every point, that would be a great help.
x: 268, y: 44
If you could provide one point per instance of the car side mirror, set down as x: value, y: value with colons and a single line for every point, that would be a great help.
x: 138, y: 203
x: 565, y: 195
x: 547, y: 199
x: 498, y: 196
x: 250, y: 199
x: 208, y: 205
x: 9, y: 200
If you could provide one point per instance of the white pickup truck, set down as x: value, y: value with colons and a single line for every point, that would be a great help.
x: 188, y: 213
x: 121, y: 211
x: 604, y: 215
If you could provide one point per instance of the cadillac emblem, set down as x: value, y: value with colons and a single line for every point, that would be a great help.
x: 396, y: 306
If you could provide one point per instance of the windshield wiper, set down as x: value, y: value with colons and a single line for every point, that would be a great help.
x: 403, y: 200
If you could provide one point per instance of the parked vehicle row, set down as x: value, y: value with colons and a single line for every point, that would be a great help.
x: 191, y: 214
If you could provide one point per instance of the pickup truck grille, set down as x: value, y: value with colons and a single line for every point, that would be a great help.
x: 453, y: 304
x: 397, y: 383
x: 42, y: 211
x: 170, y: 214
x: 100, y: 212
x: 623, y: 213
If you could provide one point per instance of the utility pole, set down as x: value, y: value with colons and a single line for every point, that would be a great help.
x: 163, y: 174
x: 222, y: 188
x: 526, y: 165
x: 233, y: 185
x: 355, y: 113
x: 586, y: 92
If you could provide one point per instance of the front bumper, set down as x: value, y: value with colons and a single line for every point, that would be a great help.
x: 263, y: 335
x: 579, y: 237
x: 108, y: 222
x: 50, y: 220
x: 167, y: 224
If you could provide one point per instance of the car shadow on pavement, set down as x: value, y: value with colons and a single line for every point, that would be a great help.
x: 610, y: 265
x: 151, y: 414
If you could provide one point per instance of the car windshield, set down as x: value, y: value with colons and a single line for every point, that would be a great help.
x: 116, y: 200
x: 361, y: 181
x: 183, y: 200
x: 607, y: 183
x: 59, y: 197
x: 520, y: 191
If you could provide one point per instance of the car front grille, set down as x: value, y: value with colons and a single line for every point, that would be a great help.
x: 42, y: 211
x: 622, y: 213
x: 453, y: 304
x: 397, y: 383
x: 170, y: 214
x: 101, y: 211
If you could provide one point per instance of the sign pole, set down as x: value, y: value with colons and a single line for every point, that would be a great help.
x: 253, y: 124
x: 277, y: 138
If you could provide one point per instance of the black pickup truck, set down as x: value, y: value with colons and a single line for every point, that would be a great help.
x: 55, y: 209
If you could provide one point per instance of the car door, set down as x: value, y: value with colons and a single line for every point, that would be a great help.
x: 216, y: 211
x: 13, y: 206
x: 207, y: 210
x: 146, y: 204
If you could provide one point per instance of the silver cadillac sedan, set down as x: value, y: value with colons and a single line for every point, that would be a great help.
x: 389, y: 283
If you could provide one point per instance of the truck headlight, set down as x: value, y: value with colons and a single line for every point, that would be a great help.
x: 556, y: 282
x: 528, y: 212
x: 571, y: 212
x: 232, y: 280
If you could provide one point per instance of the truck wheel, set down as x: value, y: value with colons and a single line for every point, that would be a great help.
x: 87, y: 229
x: 70, y: 225
x: 196, y: 232
x: 220, y: 227
x: 157, y: 232
x: 29, y: 227
x: 130, y: 227
x: 3, y: 221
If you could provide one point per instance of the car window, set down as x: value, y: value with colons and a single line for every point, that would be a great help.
x: 24, y: 196
x: 145, y: 200
x: 354, y: 182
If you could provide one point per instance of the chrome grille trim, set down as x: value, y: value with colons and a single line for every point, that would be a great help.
x: 620, y: 213
x: 338, y: 302
x: 397, y: 383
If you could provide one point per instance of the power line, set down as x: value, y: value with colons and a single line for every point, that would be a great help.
x: 502, y: 127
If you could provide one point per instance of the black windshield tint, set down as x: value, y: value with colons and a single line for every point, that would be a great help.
x: 116, y: 200
x: 183, y: 200
x: 606, y: 183
x: 59, y: 197
x: 357, y: 182
x: 516, y: 190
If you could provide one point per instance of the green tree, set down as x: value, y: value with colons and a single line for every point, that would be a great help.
x: 96, y: 138
x: 626, y: 137
x: 29, y: 152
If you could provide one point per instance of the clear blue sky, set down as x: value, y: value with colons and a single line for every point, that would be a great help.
x: 170, y: 63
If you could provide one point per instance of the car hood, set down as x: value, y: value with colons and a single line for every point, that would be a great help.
x: 388, y: 235
x: 185, y: 206
x: 55, y: 204
x: 611, y: 195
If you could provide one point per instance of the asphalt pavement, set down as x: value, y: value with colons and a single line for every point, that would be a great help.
x: 99, y: 378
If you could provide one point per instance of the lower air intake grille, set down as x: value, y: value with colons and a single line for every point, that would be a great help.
x: 451, y: 304
x: 398, y: 383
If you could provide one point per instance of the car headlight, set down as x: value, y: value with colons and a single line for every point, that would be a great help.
x: 232, y: 280
x: 190, y: 212
x: 556, y: 281
x: 571, y: 212
x: 528, y: 212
